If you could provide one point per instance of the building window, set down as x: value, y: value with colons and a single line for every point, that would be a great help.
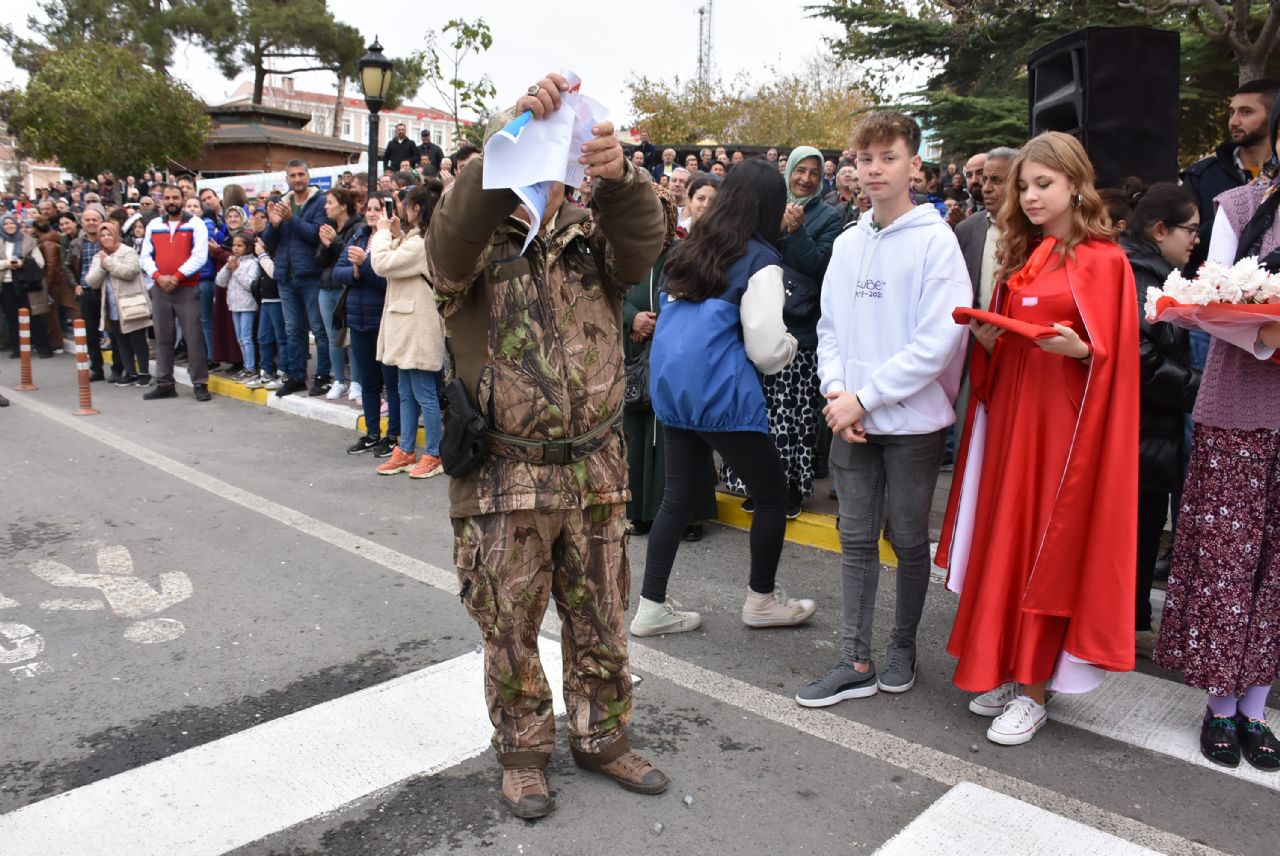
x: 346, y: 127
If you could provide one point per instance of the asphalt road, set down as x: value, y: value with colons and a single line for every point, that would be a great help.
x: 197, y: 598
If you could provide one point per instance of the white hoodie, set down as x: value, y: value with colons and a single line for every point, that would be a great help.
x: 886, y: 331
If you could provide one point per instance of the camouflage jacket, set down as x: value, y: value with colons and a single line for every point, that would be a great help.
x: 537, y: 338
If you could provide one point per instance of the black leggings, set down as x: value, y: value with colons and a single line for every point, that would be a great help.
x: 754, y: 458
x: 1153, y: 510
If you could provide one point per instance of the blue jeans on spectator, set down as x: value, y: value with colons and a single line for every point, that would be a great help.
x: 420, y: 393
x: 300, y: 299
x: 328, y: 302
x: 271, y: 337
x: 207, y: 290
x: 374, y: 377
x: 244, y: 335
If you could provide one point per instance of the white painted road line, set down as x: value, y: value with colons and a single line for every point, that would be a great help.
x: 231, y: 792
x: 1144, y: 711
x: 971, y: 819
x: 915, y: 758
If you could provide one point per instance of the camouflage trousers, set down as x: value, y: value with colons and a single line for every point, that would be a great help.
x: 509, y: 565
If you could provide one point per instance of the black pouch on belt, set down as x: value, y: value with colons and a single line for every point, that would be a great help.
x: 465, y: 443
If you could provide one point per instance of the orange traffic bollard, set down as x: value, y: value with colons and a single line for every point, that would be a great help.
x: 82, y: 370
x: 24, y: 346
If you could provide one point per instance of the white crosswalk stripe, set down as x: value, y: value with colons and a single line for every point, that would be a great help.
x: 972, y: 819
x: 234, y: 791
x: 1154, y: 714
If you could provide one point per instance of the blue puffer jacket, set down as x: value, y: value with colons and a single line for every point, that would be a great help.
x: 700, y: 378
x: 293, y: 243
x: 217, y: 234
x: 368, y: 293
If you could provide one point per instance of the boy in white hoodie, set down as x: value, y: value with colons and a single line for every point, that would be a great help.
x: 889, y: 362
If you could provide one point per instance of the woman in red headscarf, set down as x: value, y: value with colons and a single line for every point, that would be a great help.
x: 1040, y: 537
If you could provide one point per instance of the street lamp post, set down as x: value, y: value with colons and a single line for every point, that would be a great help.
x: 375, y: 81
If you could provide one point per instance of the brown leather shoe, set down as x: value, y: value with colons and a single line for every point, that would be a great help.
x: 631, y: 770
x: 525, y: 790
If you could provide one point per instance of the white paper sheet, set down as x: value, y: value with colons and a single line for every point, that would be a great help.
x: 528, y: 155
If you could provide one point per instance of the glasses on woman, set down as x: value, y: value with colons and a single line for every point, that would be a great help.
x: 1190, y: 230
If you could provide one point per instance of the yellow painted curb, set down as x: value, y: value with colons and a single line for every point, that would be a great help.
x: 809, y: 529
x: 231, y: 389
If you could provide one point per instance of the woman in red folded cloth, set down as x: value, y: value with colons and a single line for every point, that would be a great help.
x: 1040, y: 538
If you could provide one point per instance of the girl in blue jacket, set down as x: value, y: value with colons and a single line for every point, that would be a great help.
x: 719, y: 330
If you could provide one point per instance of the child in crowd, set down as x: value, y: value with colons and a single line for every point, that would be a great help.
x: 271, y: 334
x: 239, y: 276
x: 889, y: 363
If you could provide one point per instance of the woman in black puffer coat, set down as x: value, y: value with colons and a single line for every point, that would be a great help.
x: 1159, y: 239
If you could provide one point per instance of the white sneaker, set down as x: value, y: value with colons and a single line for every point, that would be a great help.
x: 992, y: 702
x: 1021, y: 719
x: 775, y: 609
x: 272, y: 381
x: 653, y: 618
x: 355, y: 393
x: 255, y: 381
x: 336, y: 391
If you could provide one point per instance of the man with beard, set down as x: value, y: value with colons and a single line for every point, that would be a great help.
x: 1236, y: 162
x: 973, y: 180
x: 174, y: 250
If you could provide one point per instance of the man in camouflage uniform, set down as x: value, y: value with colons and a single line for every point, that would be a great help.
x: 537, y: 341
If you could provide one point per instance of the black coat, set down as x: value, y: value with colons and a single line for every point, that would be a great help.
x: 1207, y: 178
x: 327, y: 257
x: 400, y: 150
x: 1169, y: 383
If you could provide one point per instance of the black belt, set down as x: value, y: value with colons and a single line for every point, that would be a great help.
x: 565, y: 451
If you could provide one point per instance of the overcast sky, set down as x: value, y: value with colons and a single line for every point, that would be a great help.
x: 658, y: 38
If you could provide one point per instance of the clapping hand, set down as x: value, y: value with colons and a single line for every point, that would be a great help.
x: 327, y: 234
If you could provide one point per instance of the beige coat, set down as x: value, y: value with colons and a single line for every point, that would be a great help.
x: 125, y: 271
x: 412, y: 332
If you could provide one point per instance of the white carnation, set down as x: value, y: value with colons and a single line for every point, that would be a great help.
x: 1243, y: 281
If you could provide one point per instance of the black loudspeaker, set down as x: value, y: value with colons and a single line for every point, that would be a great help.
x: 1116, y: 90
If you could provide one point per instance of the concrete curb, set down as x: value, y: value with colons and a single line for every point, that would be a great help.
x: 809, y: 529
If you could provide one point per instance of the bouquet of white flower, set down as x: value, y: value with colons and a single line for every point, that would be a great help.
x: 1229, y: 302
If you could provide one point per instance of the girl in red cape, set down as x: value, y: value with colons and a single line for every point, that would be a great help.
x: 1040, y: 537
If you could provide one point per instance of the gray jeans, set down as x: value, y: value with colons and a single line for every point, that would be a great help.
x: 906, y: 466
x: 182, y: 305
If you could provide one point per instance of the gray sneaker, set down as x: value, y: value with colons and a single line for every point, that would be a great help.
x: 899, y: 674
x: 842, y: 682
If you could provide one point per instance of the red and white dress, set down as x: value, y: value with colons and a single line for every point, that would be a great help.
x: 1040, y: 535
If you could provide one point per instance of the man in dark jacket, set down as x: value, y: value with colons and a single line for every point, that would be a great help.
x: 401, y: 148
x: 291, y: 238
x: 1235, y: 162
x: 431, y: 153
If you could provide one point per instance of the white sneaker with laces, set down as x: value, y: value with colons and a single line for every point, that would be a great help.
x: 654, y: 619
x: 355, y: 393
x: 1021, y: 719
x: 336, y: 391
x: 992, y: 702
x: 775, y: 609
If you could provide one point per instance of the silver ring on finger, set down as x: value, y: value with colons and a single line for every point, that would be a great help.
x: 532, y: 90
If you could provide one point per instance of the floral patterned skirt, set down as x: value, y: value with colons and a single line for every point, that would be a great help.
x: 1221, y: 623
x: 789, y: 397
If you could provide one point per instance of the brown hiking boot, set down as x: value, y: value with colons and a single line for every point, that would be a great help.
x: 525, y: 790
x: 631, y: 770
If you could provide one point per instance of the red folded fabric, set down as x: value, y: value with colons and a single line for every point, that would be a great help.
x: 965, y: 314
